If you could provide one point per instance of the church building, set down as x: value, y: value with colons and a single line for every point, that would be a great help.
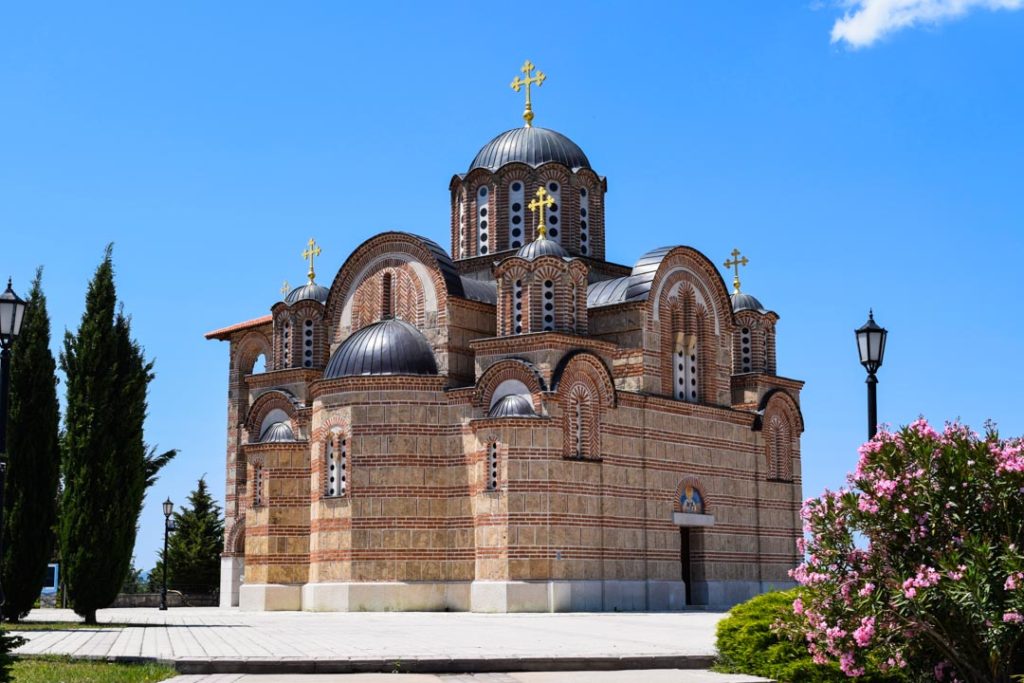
x: 521, y: 425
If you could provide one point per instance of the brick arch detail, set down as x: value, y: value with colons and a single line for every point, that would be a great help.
x: 266, y: 402
x: 248, y: 349
x: 585, y: 364
x: 683, y: 313
x: 390, y: 245
x: 695, y: 483
x: 234, y: 541
x: 702, y: 275
x: 780, y: 426
x: 582, y: 392
x: 503, y: 370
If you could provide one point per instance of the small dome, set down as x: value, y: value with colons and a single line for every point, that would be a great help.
x: 309, y: 291
x: 277, y: 432
x: 512, y: 405
x: 388, y: 347
x: 541, y: 247
x: 532, y: 146
x: 745, y: 302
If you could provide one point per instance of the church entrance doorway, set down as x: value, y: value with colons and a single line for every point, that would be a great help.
x: 684, y: 558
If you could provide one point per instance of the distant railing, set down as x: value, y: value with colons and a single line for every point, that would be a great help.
x: 174, y: 599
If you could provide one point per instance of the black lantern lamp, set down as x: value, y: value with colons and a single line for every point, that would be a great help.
x: 168, y: 510
x: 871, y: 346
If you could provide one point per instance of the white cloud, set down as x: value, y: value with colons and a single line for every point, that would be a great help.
x: 868, y: 20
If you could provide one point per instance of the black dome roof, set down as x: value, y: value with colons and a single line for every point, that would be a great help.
x: 310, y: 290
x: 512, y: 405
x: 533, y: 146
x: 388, y: 347
x: 742, y: 301
x: 541, y: 247
x: 278, y: 432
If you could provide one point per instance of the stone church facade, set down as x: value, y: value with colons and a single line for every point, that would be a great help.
x: 521, y: 426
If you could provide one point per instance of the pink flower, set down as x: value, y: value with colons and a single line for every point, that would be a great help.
x: 798, y: 606
x: 865, y: 632
x: 1013, y: 581
x: 867, y: 590
x: 1013, y: 618
x: 848, y: 666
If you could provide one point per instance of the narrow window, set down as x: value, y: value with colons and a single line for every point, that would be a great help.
x: 554, y: 212
x: 462, y: 227
x: 257, y: 485
x: 517, y: 305
x: 492, y: 467
x: 386, y: 300
x: 578, y: 431
x: 482, y: 221
x: 336, y: 465
x: 548, y: 299
x: 584, y: 222
x: 286, y: 344
x: 572, y: 307
x: 307, y: 353
x: 516, y: 193
x: 685, y: 364
x: 745, y: 350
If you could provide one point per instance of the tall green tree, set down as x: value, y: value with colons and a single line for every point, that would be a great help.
x: 107, y: 465
x: 33, y: 451
x: 194, y: 548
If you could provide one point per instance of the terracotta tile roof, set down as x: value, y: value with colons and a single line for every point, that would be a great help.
x: 225, y: 333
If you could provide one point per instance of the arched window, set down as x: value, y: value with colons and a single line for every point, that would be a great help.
x: 307, y: 343
x: 482, y: 221
x: 492, y: 466
x: 257, y: 485
x: 584, y: 222
x: 581, y: 424
x: 386, y: 297
x: 779, y: 449
x: 746, y: 363
x: 286, y: 344
x: 548, y: 306
x: 336, y: 464
x: 516, y: 194
x: 686, y: 368
x: 461, y: 209
x: 554, y: 212
x: 517, y: 306
x: 260, y: 364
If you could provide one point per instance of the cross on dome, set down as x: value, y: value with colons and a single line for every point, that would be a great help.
x: 735, y: 264
x: 310, y: 253
x: 518, y: 83
x: 538, y: 205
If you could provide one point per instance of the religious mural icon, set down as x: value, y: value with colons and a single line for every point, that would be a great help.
x: 691, y: 501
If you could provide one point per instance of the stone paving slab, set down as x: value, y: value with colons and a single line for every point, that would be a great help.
x: 216, y: 640
x: 648, y: 676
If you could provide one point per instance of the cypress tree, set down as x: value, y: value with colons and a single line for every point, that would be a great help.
x: 33, y: 450
x: 106, y: 463
x: 194, y: 548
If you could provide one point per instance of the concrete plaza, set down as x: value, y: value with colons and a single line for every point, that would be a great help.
x: 226, y: 641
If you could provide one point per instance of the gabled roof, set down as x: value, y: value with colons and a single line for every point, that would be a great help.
x: 224, y: 333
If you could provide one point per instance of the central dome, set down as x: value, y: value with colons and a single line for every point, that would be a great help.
x: 388, y: 347
x: 532, y: 146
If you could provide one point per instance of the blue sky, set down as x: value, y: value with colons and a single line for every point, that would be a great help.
x: 872, y: 163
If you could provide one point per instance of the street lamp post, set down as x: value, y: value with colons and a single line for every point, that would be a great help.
x: 871, y: 347
x: 168, y: 509
x: 12, y: 311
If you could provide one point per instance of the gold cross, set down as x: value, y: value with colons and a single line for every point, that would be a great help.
x: 310, y: 253
x: 520, y: 82
x: 285, y: 288
x: 539, y: 204
x: 735, y: 264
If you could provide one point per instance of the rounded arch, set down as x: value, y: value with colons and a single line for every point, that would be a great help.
x: 780, y: 424
x: 248, y: 349
x: 265, y: 405
x: 509, y: 369
x: 686, y: 264
x: 681, y: 492
x: 432, y: 266
x: 579, y: 364
x: 234, y: 543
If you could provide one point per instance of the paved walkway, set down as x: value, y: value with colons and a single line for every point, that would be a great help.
x: 213, y: 640
x: 655, y: 676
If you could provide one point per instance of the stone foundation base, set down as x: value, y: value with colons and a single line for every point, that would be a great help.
x: 269, y: 597
x: 231, y: 568
x: 500, y: 596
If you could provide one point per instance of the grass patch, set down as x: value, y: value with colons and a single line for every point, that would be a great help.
x: 67, y: 670
x: 58, y: 626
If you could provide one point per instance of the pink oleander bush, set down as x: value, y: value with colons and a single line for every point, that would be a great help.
x: 918, y: 567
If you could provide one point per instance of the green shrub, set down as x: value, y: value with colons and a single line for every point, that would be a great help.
x: 748, y: 643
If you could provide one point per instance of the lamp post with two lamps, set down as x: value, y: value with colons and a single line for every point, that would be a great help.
x: 871, y: 346
x: 12, y: 312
